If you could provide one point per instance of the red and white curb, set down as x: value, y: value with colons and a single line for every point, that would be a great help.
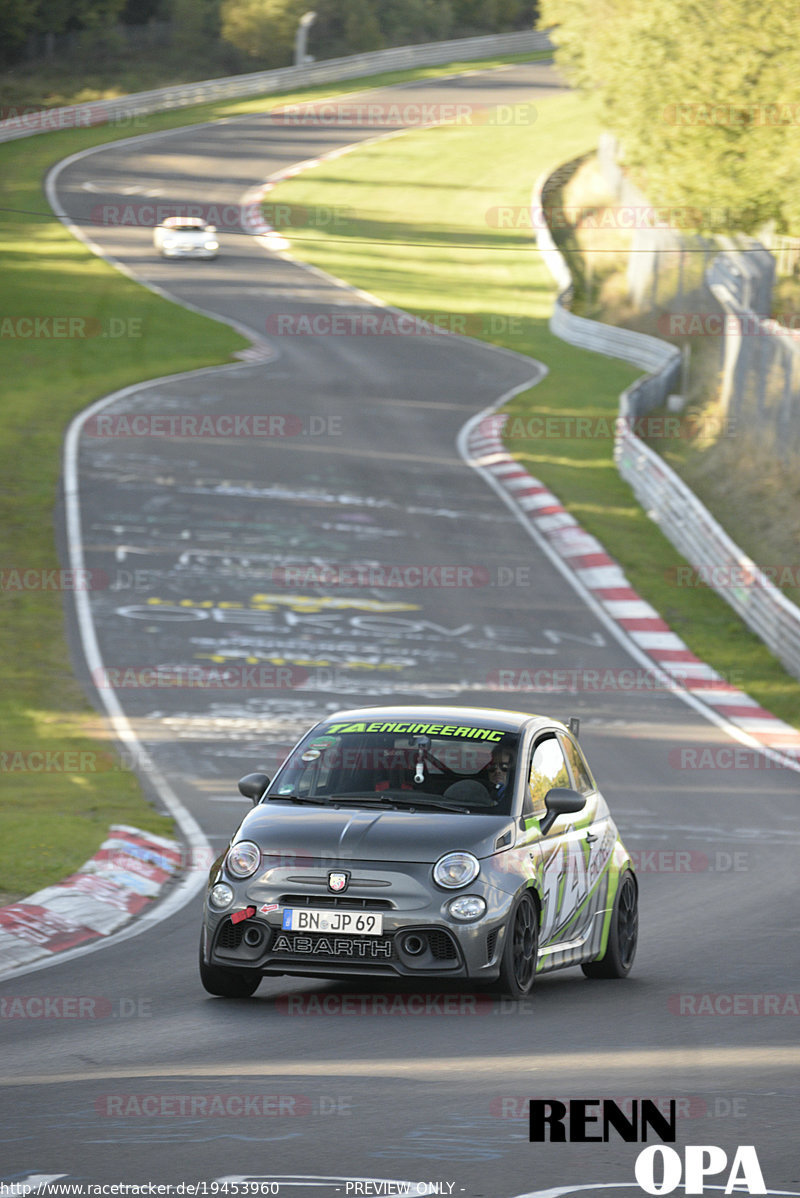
x: 126, y: 874
x: 605, y: 580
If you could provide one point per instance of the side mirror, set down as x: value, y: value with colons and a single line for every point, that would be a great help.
x: 560, y: 800
x: 211, y: 228
x: 253, y: 786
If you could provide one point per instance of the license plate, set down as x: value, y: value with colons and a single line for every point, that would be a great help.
x: 353, y: 923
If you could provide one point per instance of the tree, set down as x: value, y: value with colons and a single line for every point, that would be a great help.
x: 361, y: 29
x: 704, y: 97
x: 97, y: 14
x: 404, y: 22
x: 17, y: 20
x: 196, y: 24
x: 263, y: 29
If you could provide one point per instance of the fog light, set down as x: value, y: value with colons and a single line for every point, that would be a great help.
x: 253, y: 936
x: 467, y: 906
x: 220, y: 896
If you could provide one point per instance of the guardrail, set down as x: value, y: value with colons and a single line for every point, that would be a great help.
x: 103, y: 112
x: 713, y: 557
x: 661, y: 360
x: 760, y: 386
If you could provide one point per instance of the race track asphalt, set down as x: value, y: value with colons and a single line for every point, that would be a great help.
x: 158, y: 1082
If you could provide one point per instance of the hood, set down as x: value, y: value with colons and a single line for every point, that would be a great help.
x: 360, y: 834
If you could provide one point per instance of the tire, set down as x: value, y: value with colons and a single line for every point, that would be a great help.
x: 521, y: 949
x: 622, y: 936
x: 228, y: 983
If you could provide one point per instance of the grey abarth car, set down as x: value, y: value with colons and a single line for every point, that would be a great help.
x: 427, y: 843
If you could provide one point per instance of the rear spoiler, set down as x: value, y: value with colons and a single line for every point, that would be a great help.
x: 574, y: 725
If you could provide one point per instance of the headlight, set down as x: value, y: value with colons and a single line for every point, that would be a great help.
x: 212, y: 245
x: 467, y: 906
x: 456, y: 869
x: 243, y: 859
x: 220, y: 896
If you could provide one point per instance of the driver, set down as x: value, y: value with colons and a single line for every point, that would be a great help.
x: 499, y: 770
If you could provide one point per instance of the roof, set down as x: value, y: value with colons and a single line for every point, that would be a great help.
x: 175, y: 222
x: 506, y: 721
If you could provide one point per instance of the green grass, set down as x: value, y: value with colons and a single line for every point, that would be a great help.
x: 52, y: 820
x: 420, y: 239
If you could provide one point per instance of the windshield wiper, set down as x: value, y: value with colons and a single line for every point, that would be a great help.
x: 402, y: 799
x: 301, y: 799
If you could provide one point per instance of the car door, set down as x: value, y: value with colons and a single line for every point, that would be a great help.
x: 565, y: 849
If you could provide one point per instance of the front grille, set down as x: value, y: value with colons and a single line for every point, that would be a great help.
x: 491, y: 943
x: 441, y: 946
x: 230, y: 935
x: 346, y: 902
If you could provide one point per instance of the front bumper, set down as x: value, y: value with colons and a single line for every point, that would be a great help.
x: 419, y: 937
x: 188, y: 252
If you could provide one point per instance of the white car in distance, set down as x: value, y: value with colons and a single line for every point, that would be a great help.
x: 185, y: 237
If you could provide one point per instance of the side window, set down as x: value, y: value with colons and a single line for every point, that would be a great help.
x: 548, y: 769
x: 580, y: 770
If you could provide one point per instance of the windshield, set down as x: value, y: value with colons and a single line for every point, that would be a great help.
x: 470, y: 768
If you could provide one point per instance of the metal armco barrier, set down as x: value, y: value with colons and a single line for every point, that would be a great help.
x: 683, y: 519
x: 105, y: 112
x: 707, y: 547
x: 661, y: 360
